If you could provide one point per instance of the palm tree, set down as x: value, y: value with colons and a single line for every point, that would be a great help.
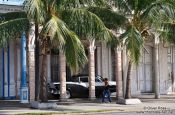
x: 57, y: 19
x: 114, y: 21
x: 139, y: 18
x: 141, y: 15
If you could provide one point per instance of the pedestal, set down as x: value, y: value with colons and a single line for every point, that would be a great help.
x: 24, y: 95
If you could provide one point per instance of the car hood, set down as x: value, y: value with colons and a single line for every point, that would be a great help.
x: 76, y: 83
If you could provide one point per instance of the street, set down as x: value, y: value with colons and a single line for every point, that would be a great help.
x: 137, y: 113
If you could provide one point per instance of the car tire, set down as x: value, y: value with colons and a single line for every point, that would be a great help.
x: 68, y: 94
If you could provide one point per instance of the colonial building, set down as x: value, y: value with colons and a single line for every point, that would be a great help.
x: 10, y: 58
x: 143, y: 75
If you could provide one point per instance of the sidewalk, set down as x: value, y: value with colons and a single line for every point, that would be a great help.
x: 75, y: 106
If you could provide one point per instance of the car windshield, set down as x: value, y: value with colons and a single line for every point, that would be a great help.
x: 85, y: 79
x: 98, y: 79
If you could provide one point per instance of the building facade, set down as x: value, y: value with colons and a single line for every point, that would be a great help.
x: 143, y: 76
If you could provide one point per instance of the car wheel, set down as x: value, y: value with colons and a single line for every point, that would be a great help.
x: 68, y: 94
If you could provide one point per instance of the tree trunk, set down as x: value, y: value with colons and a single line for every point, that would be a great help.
x: 43, y: 77
x: 62, y: 62
x: 91, y: 71
x: 128, y: 82
x: 118, y: 74
x: 36, y: 63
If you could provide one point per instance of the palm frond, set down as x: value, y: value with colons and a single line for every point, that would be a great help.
x: 85, y: 24
x: 35, y: 10
x: 134, y: 43
x: 75, y: 53
x: 123, y: 6
x: 12, y: 15
x: 111, y: 19
x: 12, y: 28
x: 70, y: 4
x: 158, y: 7
x: 114, y: 41
x: 167, y: 32
x: 57, y: 30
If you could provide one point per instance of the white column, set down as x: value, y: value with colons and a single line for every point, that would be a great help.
x: 49, y: 68
x: 18, y: 70
x: 125, y: 65
x: 109, y: 65
x: 15, y: 68
x: 5, y: 74
x: 156, y: 63
x: 99, y: 61
x: 1, y: 75
x: 11, y: 72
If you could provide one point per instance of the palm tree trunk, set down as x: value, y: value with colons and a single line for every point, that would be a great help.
x: 128, y: 82
x: 62, y: 62
x: 91, y: 70
x: 36, y: 63
x: 118, y: 74
x: 43, y: 77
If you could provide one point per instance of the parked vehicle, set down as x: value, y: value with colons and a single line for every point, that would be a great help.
x: 79, y: 87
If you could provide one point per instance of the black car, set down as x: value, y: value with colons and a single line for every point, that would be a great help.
x: 79, y: 87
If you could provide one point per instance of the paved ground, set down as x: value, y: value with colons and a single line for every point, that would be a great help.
x: 149, y: 105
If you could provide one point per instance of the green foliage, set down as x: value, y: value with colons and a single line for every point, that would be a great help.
x: 12, y: 25
x: 75, y: 50
x: 145, y: 17
x: 134, y: 43
x: 86, y: 24
x: 59, y: 18
x: 110, y: 18
x: 71, y: 4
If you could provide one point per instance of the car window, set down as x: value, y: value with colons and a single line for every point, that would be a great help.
x: 83, y: 79
x: 75, y: 79
x: 98, y: 80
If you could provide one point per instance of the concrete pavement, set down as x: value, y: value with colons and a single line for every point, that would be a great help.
x: 76, y: 106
